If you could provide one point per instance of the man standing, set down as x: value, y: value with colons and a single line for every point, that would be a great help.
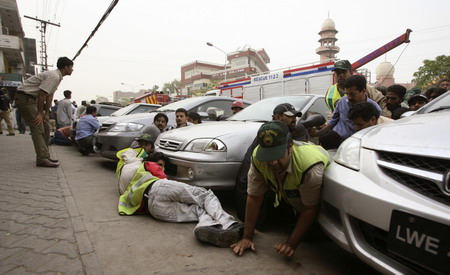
x: 355, y: 88
x: 395, y: 95
x: 65, y: 110
x: 33, y: 99
x: 181, y: 118
x: 82, y: 109
x: 5, y: 112
x: 86, y: 128
x: 293, y: 172
x: 342, y: 71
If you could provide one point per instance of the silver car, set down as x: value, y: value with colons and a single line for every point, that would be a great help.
x: 386, y: 197
x: 210, y: 155
x: 118, y: 133
x: 135, y: 108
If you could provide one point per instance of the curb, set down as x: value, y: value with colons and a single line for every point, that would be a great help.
x: 84, y: 244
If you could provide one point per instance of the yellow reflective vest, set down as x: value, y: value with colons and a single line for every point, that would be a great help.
x: 130, y: 201
x: 304, y: 157
x: 332, y: 97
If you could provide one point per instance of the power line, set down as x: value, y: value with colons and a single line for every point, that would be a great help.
x: 105, y: 15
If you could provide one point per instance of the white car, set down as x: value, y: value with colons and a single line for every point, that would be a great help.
x: 386, y: 196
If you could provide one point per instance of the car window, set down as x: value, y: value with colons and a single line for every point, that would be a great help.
x: 318, y: 107
x: 106, y: 111
x: 214, y: 108
x: 439, y: 103
x: 123, y: 110
x: 143, y: 109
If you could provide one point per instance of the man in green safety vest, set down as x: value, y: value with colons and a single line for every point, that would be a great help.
x: 342, y: 71
x: 293, y: 172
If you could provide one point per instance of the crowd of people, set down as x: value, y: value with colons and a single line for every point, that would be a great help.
x: 280, y: 177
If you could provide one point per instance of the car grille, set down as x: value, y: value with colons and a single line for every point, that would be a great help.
x: 104, y: 127
x: 428, y: 176
x: 169, y: 144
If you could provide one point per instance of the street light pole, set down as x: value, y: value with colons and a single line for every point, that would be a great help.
x: 132, y: 86
x: 226, y: 58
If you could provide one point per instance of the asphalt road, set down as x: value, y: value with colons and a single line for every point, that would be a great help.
x: 141, y: 244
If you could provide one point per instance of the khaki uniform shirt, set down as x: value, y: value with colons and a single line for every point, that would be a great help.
x: 309, y: 190
x: 47, y: 81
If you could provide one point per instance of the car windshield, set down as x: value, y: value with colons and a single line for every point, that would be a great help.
x: 440, y: 103
x: 263, y: 110
x: 124, y: 110
x: 179, y: 104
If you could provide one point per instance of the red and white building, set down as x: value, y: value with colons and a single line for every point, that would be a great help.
x: 198, y: 75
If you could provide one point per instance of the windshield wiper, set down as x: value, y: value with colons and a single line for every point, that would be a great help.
x: 440, y: 108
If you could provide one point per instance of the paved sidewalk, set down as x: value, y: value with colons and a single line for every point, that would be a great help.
x: 41, y: 230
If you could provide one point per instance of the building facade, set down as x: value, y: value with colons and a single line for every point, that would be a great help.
x: 198, y: 75
x: 12, y: 58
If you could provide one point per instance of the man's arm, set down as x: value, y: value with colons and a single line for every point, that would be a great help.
x: 40, y: 107
x: 48, y: 105
x: 251, y: 216
x: 304, y: 221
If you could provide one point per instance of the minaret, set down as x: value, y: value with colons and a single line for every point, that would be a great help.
x: 327, y: 49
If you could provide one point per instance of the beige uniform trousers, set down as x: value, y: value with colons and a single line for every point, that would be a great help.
x: 6, y: 115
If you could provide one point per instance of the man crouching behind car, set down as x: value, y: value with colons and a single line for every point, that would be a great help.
x: 293, y: 172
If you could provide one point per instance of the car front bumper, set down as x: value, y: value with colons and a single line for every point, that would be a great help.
x: 107, y: 144
x: 208, y: 173
x: 357, y: 207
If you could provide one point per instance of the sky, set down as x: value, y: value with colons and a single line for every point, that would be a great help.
x: 147, y: 41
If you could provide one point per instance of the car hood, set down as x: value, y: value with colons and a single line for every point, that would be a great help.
x: 222, y: 130
x: 130, y: 118
x: 426, y: 135
x: 236, y: 135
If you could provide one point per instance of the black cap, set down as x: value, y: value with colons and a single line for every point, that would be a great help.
x: 416, y: 98
x: 287, y: 109
x: 342, y: 65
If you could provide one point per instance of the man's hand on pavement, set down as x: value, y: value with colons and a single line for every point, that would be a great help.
x: 284, y: 249
x: 244, y: 244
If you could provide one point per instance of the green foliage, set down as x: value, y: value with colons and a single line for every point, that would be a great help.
x: 171, y: 87
x: 432, y: 71
x: 100, y: 98
x: 125, y: 101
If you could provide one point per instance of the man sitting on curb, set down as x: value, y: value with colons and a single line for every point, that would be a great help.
x: 294, y: 172
x: 174, y: 201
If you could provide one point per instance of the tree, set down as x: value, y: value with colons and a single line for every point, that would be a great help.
x: 155, y: 88
x: 432, y: 71
x: 171, y: 87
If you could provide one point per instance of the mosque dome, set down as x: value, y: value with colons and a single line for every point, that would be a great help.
x: 385, y: 68
x: 328, y: 24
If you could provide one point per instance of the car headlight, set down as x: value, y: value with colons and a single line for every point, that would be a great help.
x: 348, y: 154
x: 207, y: 145
x: 126, y: 127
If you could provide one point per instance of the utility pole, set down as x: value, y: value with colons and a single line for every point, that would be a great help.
x: 43, y: 52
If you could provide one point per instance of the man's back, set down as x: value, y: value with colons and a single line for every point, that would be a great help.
x: 64, y: 112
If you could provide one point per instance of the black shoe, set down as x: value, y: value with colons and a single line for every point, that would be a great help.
x: 11, y: 134
x: 83, y: 152
x: 219, y: 237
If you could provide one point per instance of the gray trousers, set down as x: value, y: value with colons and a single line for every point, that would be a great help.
x: 174, y: 201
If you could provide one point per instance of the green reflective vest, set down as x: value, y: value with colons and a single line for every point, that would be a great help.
x: 332, y: 97
x: 130, y: 201
x: 303, y: 158
x: 140, y: 154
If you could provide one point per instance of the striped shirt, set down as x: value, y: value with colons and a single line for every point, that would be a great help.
x: 47, y: 81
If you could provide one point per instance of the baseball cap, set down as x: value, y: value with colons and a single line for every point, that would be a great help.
x: 342, y: 65
x: 238, y: 104
x: 273, y: 138
x: 146, y: 137
x: 287, y: 109
x: 416, y: 98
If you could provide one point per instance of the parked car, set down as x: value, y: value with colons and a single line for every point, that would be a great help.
x: 118, y: 133
x: 386, y: 197
x: 103, y: 110
x: 135, y: 108
x: 209, y: 155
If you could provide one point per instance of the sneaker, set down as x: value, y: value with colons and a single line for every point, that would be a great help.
x: 219, y: 237
x: 11, y: 134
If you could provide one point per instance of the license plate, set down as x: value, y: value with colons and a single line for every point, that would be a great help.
x: 422, y: 241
